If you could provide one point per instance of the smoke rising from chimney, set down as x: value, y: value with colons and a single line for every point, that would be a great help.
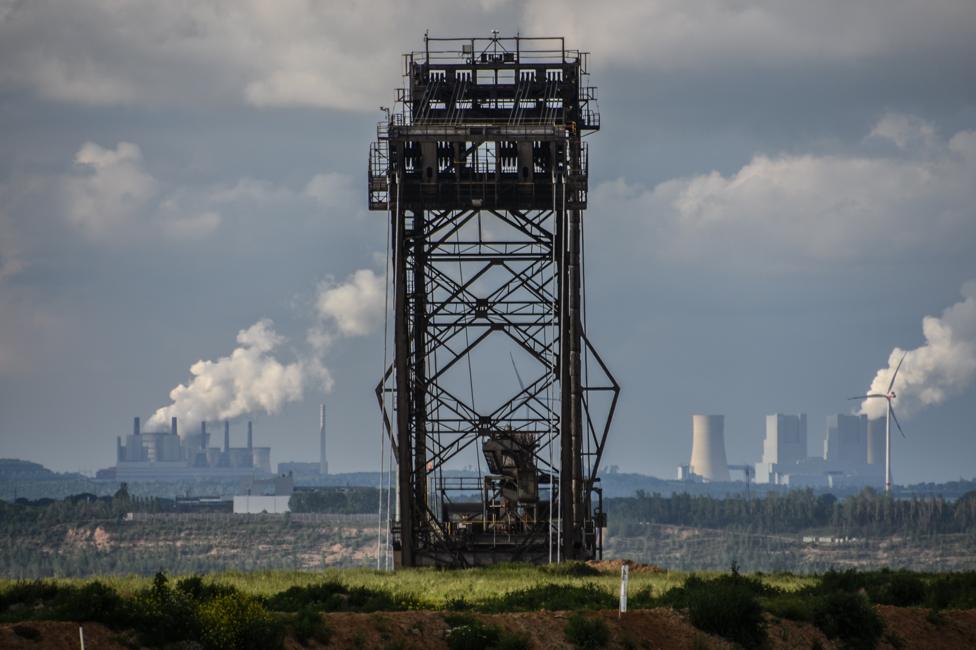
x: 252, y: 380
x: 249, y: 380
x: 941, y: 368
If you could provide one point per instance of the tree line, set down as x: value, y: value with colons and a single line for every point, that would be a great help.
x: 796, y: 511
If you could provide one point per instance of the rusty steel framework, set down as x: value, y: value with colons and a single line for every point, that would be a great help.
x: 482, y: 169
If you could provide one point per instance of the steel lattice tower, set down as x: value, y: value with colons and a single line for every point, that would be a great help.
x: 482, y: 169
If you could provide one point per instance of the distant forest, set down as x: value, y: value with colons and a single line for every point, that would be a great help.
x: 86, y: 535
x: 869, y: 513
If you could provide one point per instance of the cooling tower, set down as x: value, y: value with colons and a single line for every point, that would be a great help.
x: 708, y: 447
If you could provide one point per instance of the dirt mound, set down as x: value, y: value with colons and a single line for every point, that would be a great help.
x: 915, y: 627
x: 905, y: 627
x: 56, y: 635
x: 613, y: 566
x: 651, y: 628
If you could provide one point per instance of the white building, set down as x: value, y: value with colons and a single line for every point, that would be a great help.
x: 784, y: 447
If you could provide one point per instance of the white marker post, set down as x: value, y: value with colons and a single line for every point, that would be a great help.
x: 623, y: 589
x: 81, y: 637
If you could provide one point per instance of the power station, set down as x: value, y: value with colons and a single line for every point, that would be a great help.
x: 167, y: 455
x: 482, y: 170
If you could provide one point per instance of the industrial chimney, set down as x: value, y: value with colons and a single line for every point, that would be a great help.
x: 708, y: 447
x: 172, y: 425
x: 250, y: 435
x: 203, y: 434
x: 135, y: 426
x: 226, y: 436
x: 323, y: 463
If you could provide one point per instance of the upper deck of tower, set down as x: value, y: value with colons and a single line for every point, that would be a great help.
x: 509, y: 82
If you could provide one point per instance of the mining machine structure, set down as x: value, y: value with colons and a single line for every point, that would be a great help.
x: 482, y: 169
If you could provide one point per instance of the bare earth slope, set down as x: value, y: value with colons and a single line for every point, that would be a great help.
x: 652, y: 628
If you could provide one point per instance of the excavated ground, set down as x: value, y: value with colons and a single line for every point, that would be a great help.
x: 652, y: 628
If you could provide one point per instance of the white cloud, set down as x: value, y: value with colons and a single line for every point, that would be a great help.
x: 345, y: 55
x: 191, y: 226
x: 333, y: 190
x: 108, y: 190
x: 287, y: 53
x: 249, y: 380
x: 679, y: 35
x: 111, y: 197
x: 906, y: 131
x: 802, y: 210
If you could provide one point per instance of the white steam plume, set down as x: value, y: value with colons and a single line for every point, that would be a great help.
x: 943, y: 367
x: 249, y: 380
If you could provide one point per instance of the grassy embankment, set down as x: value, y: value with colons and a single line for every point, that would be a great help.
x: 436, y: 589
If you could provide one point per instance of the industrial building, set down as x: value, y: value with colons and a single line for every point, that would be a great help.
x: 166, y: 455
x: 785, y: 445
x: 265, y: 496
x: 853, y: 452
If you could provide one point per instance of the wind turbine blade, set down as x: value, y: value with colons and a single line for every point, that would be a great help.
x: 850, y: 399
x: 895, y: 374
x: 515, y: 368
x: 900, y: 430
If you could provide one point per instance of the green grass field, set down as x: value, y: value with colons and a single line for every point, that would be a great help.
x: 433, y: 588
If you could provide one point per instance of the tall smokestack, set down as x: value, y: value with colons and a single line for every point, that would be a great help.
x: 250, y: 435
x: 135, y: 426
x: 203, y: 434
x: 323, y: 463
x: 226, y: 436
x: 172, y: 425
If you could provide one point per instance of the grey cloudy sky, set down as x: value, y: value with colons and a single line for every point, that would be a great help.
x: 781, y: 192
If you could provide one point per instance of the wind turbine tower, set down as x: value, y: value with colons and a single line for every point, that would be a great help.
x: 889, y: 395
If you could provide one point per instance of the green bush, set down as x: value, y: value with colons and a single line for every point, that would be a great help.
x: 728, y: 608
x: 161, y: 614
x: 574, y: 569
x: 333, y: 596
x: 848, y: 617
x: 794, y: 606
x: 327, y: 596
x: 901, y: 588
x: 468, y: 633
x: 309, y: 625
x: 553, y: 598
x: 587, y: 633
x: 238, y: 622
x: 29, y: 594
x: 643, y: 599
x: 953, y: 591
x: 94, y: 601
x: 850, y: 581
x: 457, y: 604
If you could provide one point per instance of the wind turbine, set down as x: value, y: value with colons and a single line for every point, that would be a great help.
x: 889, y: 416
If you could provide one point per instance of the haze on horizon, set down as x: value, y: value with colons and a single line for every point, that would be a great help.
x: 780, y: 194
